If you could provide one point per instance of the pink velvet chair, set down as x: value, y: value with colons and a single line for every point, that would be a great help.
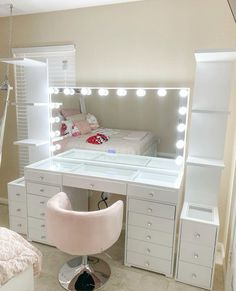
x: 83, y: 234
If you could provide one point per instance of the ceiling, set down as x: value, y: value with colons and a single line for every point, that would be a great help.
x: 36, y: 6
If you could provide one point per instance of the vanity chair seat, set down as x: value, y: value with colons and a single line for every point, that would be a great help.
x: 82, y: 234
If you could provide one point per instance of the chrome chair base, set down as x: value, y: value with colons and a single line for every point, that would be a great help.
x: 84, y: 273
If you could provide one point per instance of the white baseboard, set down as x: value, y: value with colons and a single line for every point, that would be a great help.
x: 4, y: 201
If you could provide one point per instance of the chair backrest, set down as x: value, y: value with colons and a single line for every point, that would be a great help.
x: 82, y: 233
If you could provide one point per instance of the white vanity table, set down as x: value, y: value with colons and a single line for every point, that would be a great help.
x: 152, y: 187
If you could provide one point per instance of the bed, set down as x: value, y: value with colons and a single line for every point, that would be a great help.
x: 120, y: 141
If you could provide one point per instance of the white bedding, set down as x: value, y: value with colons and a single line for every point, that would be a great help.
x: 121, y: 141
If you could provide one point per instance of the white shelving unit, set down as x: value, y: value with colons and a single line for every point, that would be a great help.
x: 199, y: 218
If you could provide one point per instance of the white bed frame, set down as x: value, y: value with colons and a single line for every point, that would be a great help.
x: 22, y: 282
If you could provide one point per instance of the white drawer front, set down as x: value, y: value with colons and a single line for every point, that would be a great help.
x: 16, y: 193
x: 194, y: 274
x: 37, y: 235
x: 94, y: 184
x: 43, y: 177
x: 149, y: 249
x: 149, y: 263
x: 151, y: 222
x: 17, y: 208
x: 37, y: 206
x: 198, y: 233
x: 37, y: 223
x: 43, y: 190
x: 196, y: 254
x: 18, y: 224
x: 152, y: 208
x: 150, y: 236
x: 169, y: 196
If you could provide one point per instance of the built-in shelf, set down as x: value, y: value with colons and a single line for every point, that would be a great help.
x: 210, y: 111
x: 35, y: 104
x: 31, y: 142
x: 205, y: 162
x: 23, y: 62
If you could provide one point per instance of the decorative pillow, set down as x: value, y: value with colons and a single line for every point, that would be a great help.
x: 76, y: 117
x: 66, y: 127
x: 92, y: 120
x: 75, y: 130
x: 70, y: 111
x: 83, y: 126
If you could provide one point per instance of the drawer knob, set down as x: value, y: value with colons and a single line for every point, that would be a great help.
x: 149, y: 210
x: 148, y: 251
x: 147, y: 264
x: 194, y: 276
x: 149, y: 224
x: 42, y: 225
x: 148, y: 237
x: 18, y: 210
x: 196, y: 256
x: 43, y: 236
x: 92, y: 185
x: 197, y: 235
x: 41, y: 177
x: 42, y: 214
x: 151, y: 194
x: 19, y: 225
x: 41, y: 190
x: 17, y: 194
x: 42, y: 202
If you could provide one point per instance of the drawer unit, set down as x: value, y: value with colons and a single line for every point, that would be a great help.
x: 152, y: 208
x: 94, y: 184
x: 196, y: 254
x: 149, y: 263
x: 149, y: 249
x: 158, y: 194
x: 43, y: 177
x: 17, y: 191
x: 17, y: 209
x: 36, y: 206
x: 36, y: 223
x: 151, y: 236
x: 18, y: 224
x: 198, y: 233
x: 195, y: 275
x: 43, y: 190
x: 151, y: 222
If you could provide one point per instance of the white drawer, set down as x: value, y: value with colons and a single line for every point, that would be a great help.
x: 94, y: 184
x: 43, y: 177
x: 194, y: 275
x: 150, y: 236
x: 37, y: 223
x: 169, y: 196
x: 43, y: 190
x: 149, y: 249
x: 152, y: 208
x: 37, y: 206
x: 16, y: 192
x: 149, y: 263
x: 196, y: 254
x: 35, y: 234
x: 198, y: 233
x: 151, y: 222
x: 17, y: 208
x: 18, y: 224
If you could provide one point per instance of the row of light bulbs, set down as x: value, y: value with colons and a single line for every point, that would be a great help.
x: 162, y: 92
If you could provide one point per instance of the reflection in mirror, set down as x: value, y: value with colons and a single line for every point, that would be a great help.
x: 4, y: 100
x: 140, y: 121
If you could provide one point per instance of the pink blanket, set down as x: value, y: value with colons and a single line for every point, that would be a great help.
x: 16, y: 255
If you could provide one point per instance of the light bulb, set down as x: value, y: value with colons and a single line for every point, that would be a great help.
x: 103, y: 92
x: 57, y: 133
x: 57, y: 119
x: 161, y: 92
x: 55, y: 90
x: 179, y: 160
x: 183, y: 93
x: 52, y: 134
x: 121, y: 92
x: 181, y: 127
x: 140, y: 92
x: 58, y: 146
x: 57, y: 105
x: 66, y: 91
x: 72, y: 91
x: 183, y: 110
x: 180, y: 144
x: 85, y: 91
x: 50, y: 90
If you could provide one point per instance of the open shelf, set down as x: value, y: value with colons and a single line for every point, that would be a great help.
x: 23, y: 62
x: 205, y: 162
x: 31, y: 142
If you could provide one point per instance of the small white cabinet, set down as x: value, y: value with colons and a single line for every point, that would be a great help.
x: 197, y: 245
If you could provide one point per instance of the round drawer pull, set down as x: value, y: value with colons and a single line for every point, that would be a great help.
x: 148, y: 251
x: 149, y: 210
x: 194, y: 276
x: 18, y: 194
x: 151, y: 194
x: 18, y: 210
x: 196, y: 256
x: 42, y: 225
x: 43, y: 236
x: 149, y: 224
x: 41, y: 190
x: 147, y: 264
x: 148, y: 237
x: 42, y: 202
x: 19, y: 225
x: 42, y: 214
x: 197, y: 235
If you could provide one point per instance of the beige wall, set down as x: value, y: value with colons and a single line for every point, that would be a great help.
x: 148, y: 43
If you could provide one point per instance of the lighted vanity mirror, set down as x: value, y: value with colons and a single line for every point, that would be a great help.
x: 136, y: 121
